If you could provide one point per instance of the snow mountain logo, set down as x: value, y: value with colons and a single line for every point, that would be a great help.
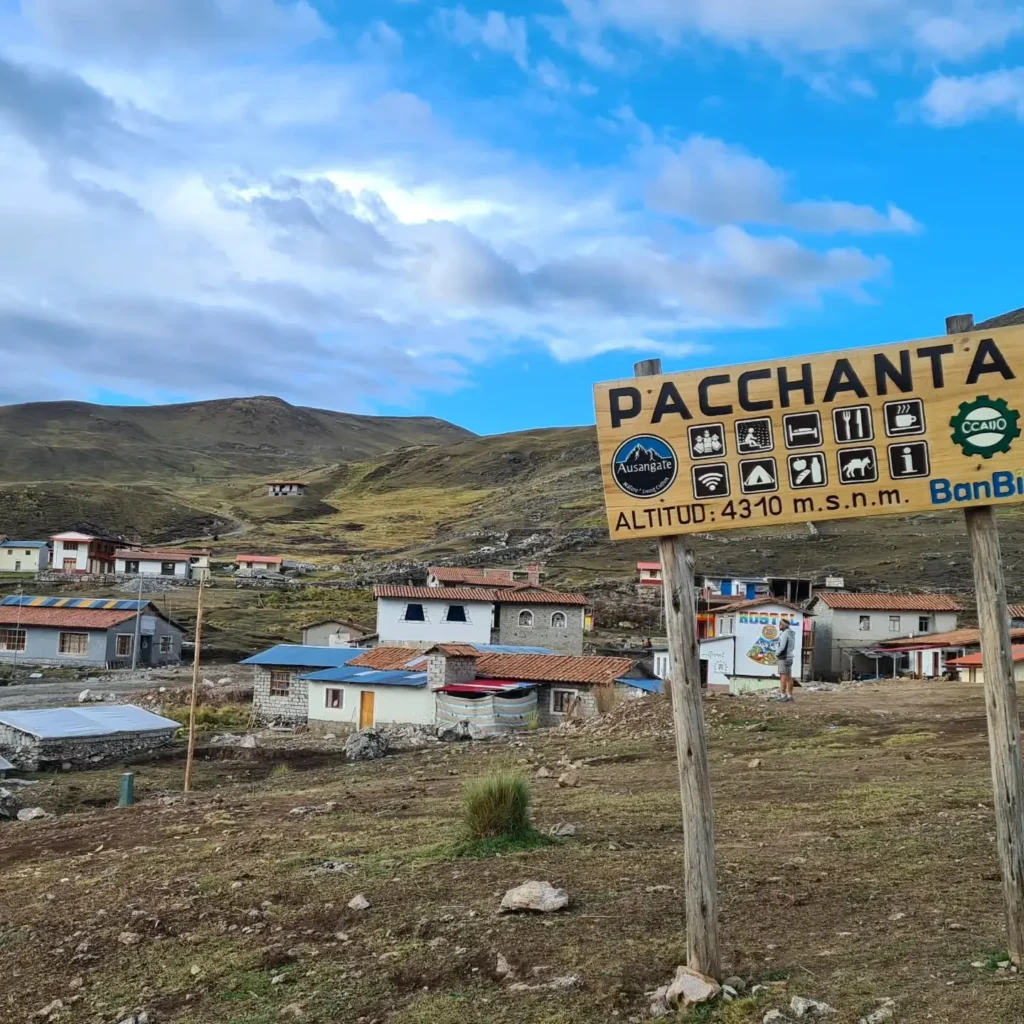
x: 644, y: 466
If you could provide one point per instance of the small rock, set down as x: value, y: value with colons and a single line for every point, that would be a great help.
x: 84, y: 696
x: 359, y: 902
x: 690, y: 987
x: 728, y: 992
x: 773, y: 1017
x: 803, y: 1007
x: 542, y: 897
x: 76, y: 983
x: 32, y: 814
x: 736, y: 982
x: 332, y: 867
x: 897, y: 915
x: 248, y: 742
x: 756, y: 763
x: 35, y: 675
x: 278, y: 979
x: 569, y: 780
x: 953, y: 926
x: 129, y: 938
x: 503, y: 969
x: 293, y: 1010
x: 236, y: 885
x: 978, y: 963
x: 561, y: 984
x: 884, y: 1012
x: 543, y: 773
x: 563, y: 828
x: 367, y: 745
x: 50, y: 1009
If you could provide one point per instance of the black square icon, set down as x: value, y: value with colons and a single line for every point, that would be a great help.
x: 802, y: 430
x: 754, y: 436
x: 711, y: 481
x: 757, y: 475
x: 852, y: 423
x: 904, y: 417
x: 857, y: 465
x: 908, y: 459
x: 807, y: 470
x: 707, y: 441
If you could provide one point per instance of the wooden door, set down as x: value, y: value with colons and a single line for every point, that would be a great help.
x: 70, y: 564
x: 365, y: 709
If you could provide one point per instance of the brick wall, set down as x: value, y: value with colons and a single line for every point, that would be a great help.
x: 587, y: 708
x: 293, y: 708
x: 567, y: 639
x: 443, y: 670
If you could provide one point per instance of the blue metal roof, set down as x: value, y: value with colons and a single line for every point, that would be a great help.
x: 511, y: 649
x: 368, y: 676
x: 647, y: 685
x: 107, y: 604
x: 23, y: 544
x: 64, y: 723
x: 305, y: 656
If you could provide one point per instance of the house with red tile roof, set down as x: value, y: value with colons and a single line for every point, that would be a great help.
x: 971, y: 668
x: 520, y: 614
x: 468, y: 576
x: 849, y: 626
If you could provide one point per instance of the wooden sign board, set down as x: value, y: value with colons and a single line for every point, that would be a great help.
x: 914, y: 427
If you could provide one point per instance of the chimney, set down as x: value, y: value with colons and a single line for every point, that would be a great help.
x: 445, y: 668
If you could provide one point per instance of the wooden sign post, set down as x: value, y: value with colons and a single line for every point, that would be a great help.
x: 702, y: 952
x: 919, y: 426
x: 1001, y: 704
x: 194, y: 697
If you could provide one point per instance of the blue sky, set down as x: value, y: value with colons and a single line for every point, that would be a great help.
x: 476, y: 211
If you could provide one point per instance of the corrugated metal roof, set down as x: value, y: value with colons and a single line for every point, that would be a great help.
x: 499, y: 595
x: 975, y: 660
x: 647, y: 685
x: 953, y: 638
x: 305, y: 656
x: 23, y: 544
x: 889, y: 602
x: 69, y: 618
x: 66, y: 723
x: 368, y: 677
x: 107, y: 604
x: 760, y: 602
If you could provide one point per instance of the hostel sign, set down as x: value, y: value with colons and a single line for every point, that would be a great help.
x: 914, y: 427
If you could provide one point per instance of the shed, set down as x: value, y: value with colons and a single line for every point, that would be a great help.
x: 331, y: 633
x: 82, y: 737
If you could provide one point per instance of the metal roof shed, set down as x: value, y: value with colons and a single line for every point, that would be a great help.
x: 303, y: 656
x: 74, y: 723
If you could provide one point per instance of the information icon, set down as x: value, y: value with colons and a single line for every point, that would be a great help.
x: 908, y: 459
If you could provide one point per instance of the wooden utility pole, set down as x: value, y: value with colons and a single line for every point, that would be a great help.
x: 195, y: 688
x: 1001, y: 704
x: 684, y: 690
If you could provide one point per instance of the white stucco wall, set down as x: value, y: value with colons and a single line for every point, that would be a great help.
x: 152, y: 567
x: 15, y: 559
x: 392, y: 627
x: 401, y: 705
x: 81, y: 556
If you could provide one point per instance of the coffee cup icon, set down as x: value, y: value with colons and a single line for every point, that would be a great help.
x: 905, y: 419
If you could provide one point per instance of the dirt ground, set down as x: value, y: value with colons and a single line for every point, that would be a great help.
x: 855, y: 857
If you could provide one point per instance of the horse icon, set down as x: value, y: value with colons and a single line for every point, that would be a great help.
x: 857, y: 467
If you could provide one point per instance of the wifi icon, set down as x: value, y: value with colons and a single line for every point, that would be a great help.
x: 710, y: 481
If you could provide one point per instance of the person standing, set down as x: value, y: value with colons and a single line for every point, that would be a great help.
x: 784, y: 653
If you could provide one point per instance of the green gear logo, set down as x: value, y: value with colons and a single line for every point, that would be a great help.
x: 985, y: 426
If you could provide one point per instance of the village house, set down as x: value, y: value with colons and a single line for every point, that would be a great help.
x: 24, y: 556
x: 82, y: 737
x: 259, y: 563
x: 75, y: 552
x: 850, y: 626
x: 929, y: 655
x: 175, y: 562
x: 286, y: 489
x: 443, y: 576
x: 971, y: 670
x: 331, y: 633
x: 740, y: 657
x: 84, y: 631
x: 519, y: 614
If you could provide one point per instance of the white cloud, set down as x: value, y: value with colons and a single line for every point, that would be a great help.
x: 495, y: 30
x: 380, y: 39
x: 954, y: 101
x: 709, y: 182
x: 949, y: 29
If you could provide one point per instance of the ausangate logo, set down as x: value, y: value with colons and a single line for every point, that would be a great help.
x: 985, y: 426
x: 644, y: 466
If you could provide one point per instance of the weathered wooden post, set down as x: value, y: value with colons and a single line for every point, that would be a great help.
x: 193, y: 702
x: 1001, y: 704
x: 684, y: 691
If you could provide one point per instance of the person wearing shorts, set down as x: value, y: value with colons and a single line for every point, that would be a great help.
x: 784, y: 653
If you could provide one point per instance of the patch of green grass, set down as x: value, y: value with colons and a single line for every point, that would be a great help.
x: 281, y: 771
x: 500, y: 846
x: 776, y: 974
x: 906, y: 738
x: 497, y: 806
x: 995, y: 958
x: 222, y: 718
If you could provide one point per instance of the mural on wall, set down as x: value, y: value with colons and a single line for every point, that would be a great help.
x: 763, y: 651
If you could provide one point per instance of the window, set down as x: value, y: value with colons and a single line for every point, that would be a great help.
x: 456, y: 613
x: 131, y: 566
x: 558, y: 620
x: 74, y: 643
x: 71, y: 545
x: 414, y: 613
x: 123, y: 646
x: 562, y: 700
x: 280, y: 683
x: 334, y: 699
x: 166, y: 644
x: 924, y: 623
x: 166, y: 568
x: 12, y: 639
x: 865, y: 623
x: 894, y: 623
x: 525, y: 618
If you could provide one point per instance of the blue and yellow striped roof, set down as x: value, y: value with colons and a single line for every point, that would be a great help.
x: 98, y: 604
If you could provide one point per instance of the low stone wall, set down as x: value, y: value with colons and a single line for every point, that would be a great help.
x: 32, y: 755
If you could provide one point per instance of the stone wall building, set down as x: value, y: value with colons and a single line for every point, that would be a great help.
x: 81, y: 737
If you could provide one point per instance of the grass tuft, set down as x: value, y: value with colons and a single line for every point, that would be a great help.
x: 496, y: 818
